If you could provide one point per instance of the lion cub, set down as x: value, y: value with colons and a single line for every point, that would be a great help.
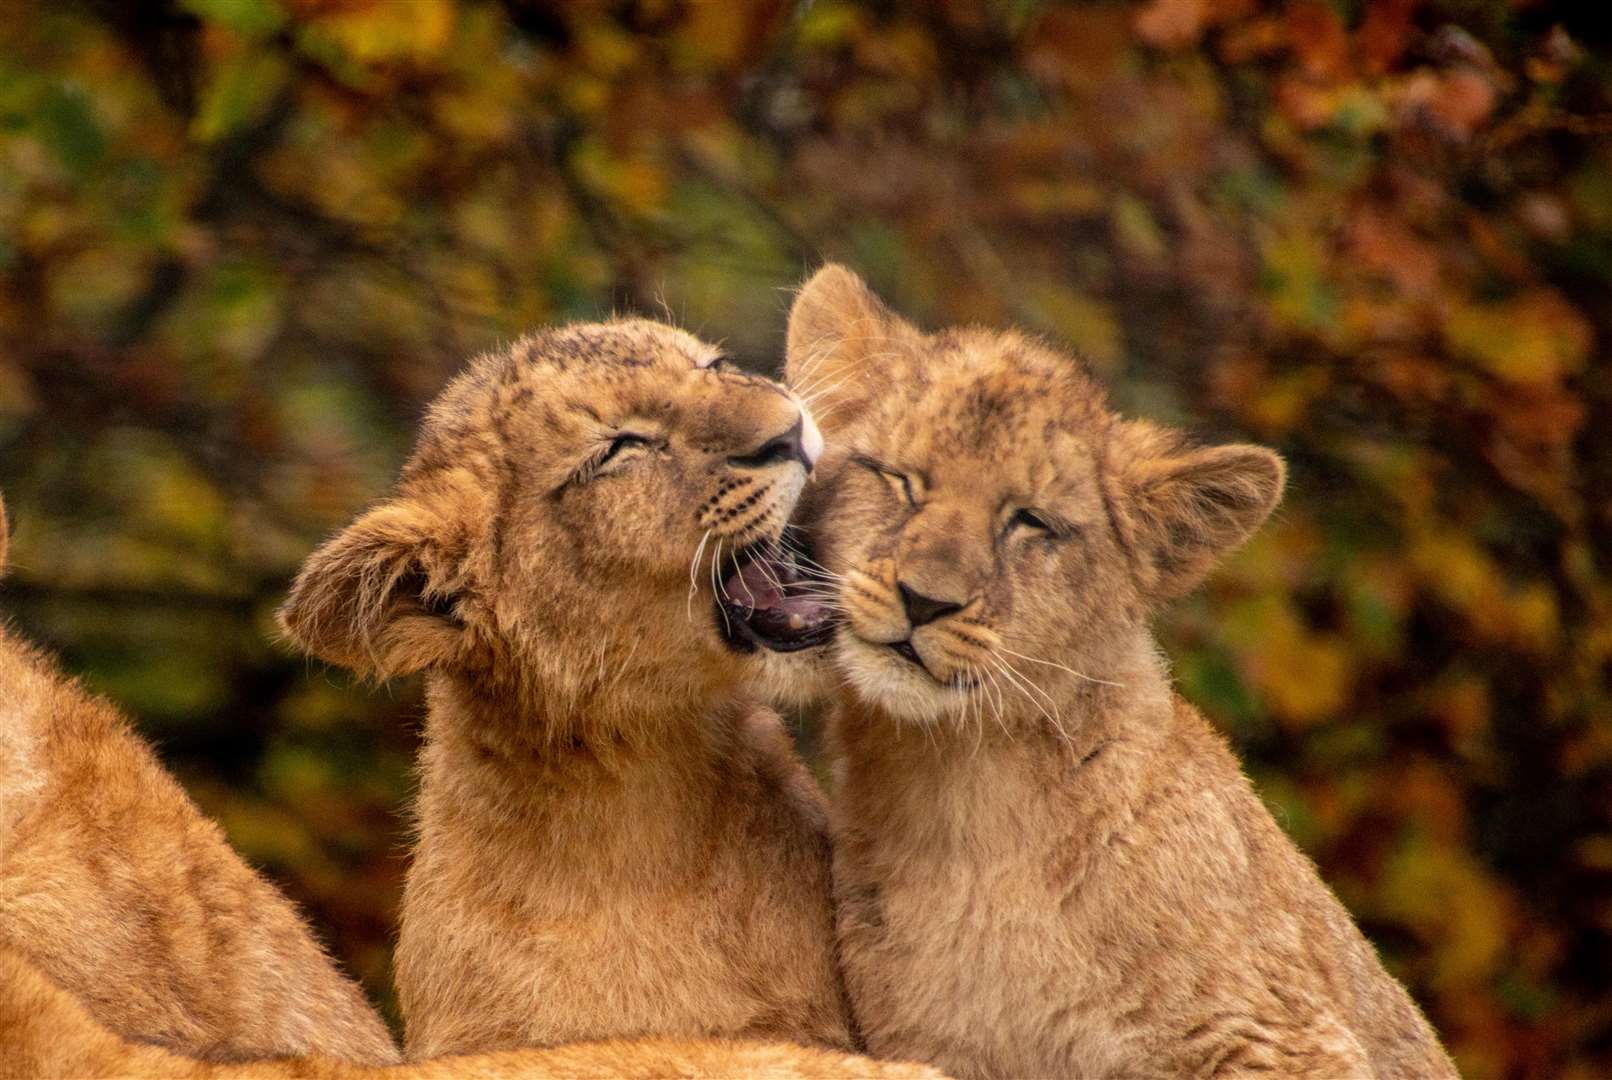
x: 1045, y: 862
x: 612, y: 838
x: 115, y: 886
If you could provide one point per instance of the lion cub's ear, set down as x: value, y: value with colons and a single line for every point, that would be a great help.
x: 1180, y: 509
x: 843, y: 344
x: 383, y: 596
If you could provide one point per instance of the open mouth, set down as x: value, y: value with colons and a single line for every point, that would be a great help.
x: 768, y: 599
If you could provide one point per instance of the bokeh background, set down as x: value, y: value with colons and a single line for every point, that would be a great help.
x: 243, y: 241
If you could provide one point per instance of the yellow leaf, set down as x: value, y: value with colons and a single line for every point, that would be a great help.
x: 1445, y: 896
x: 390, y: 30
x: 1537, y: 337
x: 1089, y: 325
x: 1306, y: 677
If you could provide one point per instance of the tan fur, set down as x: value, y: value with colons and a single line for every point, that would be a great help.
x: 46, y: 1034
x: 1046, y: 864
x: 612, y: 839
x: 117, y: 887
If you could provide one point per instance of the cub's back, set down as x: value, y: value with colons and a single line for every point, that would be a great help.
x: 1291, y: 928
x: 116, y: 885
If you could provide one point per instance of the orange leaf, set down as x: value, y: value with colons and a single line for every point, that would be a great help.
x: 1172, y: 24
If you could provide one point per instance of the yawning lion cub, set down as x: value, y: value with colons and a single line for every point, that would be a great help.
x: 613, y: 839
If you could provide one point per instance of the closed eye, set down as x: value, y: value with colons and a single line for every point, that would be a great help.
x: 623, y: 440
x: 1028, y: 519
x: 1039, y: 521
x: 892, y: 476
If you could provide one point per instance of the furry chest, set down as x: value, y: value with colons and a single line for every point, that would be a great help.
x: 569, y: 965
x: 977, y: 959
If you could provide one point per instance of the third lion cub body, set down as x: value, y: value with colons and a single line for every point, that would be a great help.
x: 116, y: 886
x: 1045, y: 863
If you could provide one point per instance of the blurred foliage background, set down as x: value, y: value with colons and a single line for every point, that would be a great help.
x: 243, y: 241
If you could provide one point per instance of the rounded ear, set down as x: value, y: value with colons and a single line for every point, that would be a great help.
x: 1179, y: 510
x: 842, y: 342
x: 382, y: 596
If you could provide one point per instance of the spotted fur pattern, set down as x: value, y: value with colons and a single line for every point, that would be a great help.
x: 1045, y: 863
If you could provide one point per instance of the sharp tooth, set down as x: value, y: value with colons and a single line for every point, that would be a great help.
x: 795, y: 621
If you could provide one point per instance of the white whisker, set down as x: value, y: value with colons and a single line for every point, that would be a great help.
x: 1054, y: 663
x: 809, y: 398
x: 693, y: 567
x: 975, y: 698
x: 1021, y: 681
x: 716, y: 560
x: 997, y: 704
x: 722, y: 585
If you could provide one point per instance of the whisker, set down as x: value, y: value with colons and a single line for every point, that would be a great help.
x: 997, y: 704
x: 928, y: 729
x: 817, y: 352
x: 716, y: 560
x: 1054, y: 663
x: 765, y: 566
x: 1020, y: 680
x: 1031, y: 683
x: 806, y: 566
x: 692, y: 569
x: 804, y: 388
x: 808, y: 398
x: 722, y: 585
x: 806, y: 561
x: 821, y: 582
x: 823, y: 416
x: 811, y: 569
x: 975, y: 698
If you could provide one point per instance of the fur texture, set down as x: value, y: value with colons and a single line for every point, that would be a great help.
x: 46, y: 1034
x: 1045, y: 863
x: 612, y: 839
x: 116, y: 886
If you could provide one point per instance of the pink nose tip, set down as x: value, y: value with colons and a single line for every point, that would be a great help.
x: 811, y: 440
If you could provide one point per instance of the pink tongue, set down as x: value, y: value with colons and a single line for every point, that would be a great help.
x: 781, y: 618
x: 752, y: 587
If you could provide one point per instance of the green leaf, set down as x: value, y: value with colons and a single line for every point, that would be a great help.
x: 239, y: 89
x: 249, y: 18
x: 68, y: 126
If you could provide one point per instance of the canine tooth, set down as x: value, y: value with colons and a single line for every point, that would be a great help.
x: 795, y: 621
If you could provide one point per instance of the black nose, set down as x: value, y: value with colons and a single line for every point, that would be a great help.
x: 923, y: 609
x: 776, y: 451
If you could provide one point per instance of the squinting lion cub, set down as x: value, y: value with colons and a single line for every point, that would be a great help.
x: 1046, y: 863
x: 118, y: 888
x: 612, y: 838
x: 46, y: 1034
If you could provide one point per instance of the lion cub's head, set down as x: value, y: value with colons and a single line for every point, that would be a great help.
x: 999, y: 534
x: 592, y: 515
